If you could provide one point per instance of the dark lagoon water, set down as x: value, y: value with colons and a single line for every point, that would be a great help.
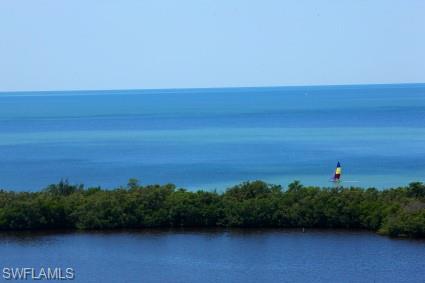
x: 220, y: 256
x: 210, y: 138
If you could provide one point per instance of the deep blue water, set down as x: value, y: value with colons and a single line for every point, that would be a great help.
x: 219, y: 256
x: 211, y: 138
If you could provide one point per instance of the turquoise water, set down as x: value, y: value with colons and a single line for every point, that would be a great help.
x: 210, y: 138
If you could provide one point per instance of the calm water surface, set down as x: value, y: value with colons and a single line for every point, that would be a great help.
x: 220, y: 256
x: 211, y: 138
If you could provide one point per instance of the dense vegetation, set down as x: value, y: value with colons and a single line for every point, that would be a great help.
x: 398, y: 212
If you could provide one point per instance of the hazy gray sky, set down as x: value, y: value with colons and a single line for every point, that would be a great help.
x: 105, y: 44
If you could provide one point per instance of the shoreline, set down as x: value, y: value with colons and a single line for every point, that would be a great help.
x: 395, y: 212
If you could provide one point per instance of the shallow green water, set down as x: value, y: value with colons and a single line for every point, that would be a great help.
x: 212, y: 138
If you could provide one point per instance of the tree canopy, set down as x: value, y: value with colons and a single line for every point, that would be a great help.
x: 398, y: 212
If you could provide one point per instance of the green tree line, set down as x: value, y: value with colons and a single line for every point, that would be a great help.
x: 397, y: 212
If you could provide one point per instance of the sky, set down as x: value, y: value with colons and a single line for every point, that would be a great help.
x: 138, y: 44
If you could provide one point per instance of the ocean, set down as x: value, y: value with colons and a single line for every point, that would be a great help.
x: 213, y: 138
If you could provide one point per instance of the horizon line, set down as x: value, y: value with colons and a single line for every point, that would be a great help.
x: 218, y: 88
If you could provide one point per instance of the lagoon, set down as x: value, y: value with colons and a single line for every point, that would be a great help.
x: 217, y: 255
